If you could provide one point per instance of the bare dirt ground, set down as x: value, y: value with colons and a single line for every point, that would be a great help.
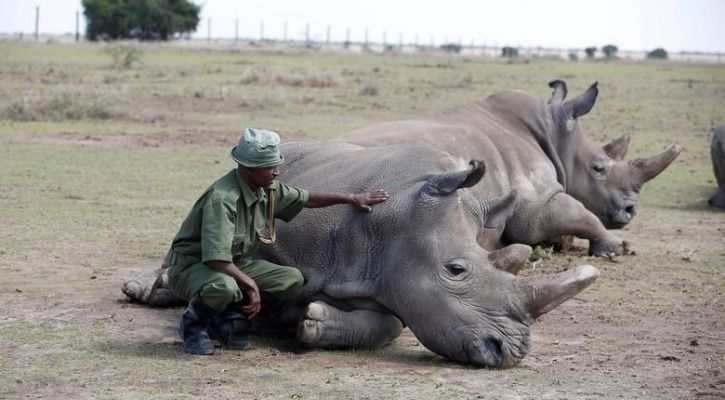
x: 86, y: 206
x: 651, y: 327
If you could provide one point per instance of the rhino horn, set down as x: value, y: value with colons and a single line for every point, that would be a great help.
x: 447, y: 183
x: 559, y: 92
x: 511, y: 258
x: 652, y: 166
x: 498, y: 210
x: 541, y: 295
x: 583, y: 103
x: 617, y: 148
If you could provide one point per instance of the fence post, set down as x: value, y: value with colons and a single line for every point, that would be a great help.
x: 236, y: 30
x: 400, y: 43
x: 366, y: 37
x: 347, y: 36
x: 78, y: 33
x: 208, y: 30
x: 37, y: 22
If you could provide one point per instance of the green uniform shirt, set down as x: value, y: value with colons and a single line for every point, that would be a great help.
x: 226, y: 221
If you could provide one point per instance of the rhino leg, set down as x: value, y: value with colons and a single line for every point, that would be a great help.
x: 563, y: 215
x: 325, y: 326
x: 152, y: 289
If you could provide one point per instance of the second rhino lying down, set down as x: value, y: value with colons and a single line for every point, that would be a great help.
x: 567, y: 186
x: 414, y: 261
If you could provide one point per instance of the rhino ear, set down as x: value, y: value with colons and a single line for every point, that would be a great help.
x: 559, y: 93
x: 617, y: 148
x: 582, y: 104
x: 447, y: 183
x: 653, y: 166
x: 499, y: 209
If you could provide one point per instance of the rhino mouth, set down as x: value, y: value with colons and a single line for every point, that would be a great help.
x: 487, y: 353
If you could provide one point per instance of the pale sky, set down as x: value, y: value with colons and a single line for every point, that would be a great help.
x: 694, y: 25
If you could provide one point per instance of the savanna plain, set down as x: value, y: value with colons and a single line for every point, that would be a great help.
x: 100, y: 162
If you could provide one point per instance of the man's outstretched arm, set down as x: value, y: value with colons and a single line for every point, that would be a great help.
x: 361, y: 201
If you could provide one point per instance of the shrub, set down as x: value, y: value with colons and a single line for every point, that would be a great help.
x: 123, y: 55
x: 370, y: 89
x: 297, y: 78
x: 451, y: 48
x: 58, y: 108
x: 510, y: 52
x: 590, y: 52
x: 658, y: 54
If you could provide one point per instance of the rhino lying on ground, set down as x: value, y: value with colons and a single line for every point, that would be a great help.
x: 567, y: 186
x: 413, y: 261
x: 717, y: 152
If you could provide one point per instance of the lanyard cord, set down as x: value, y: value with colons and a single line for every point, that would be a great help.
x: 270, y: 210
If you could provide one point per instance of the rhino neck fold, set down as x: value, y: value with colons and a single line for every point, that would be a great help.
x: 544, y: 130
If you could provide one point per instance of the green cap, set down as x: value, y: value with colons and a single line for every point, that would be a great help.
x: 258, y: 148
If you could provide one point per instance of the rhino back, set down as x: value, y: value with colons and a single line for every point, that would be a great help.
x: 514, y: 158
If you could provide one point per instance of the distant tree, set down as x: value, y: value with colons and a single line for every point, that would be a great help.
x: 451, y: 48
x: 139, y: 19
x: 610, y: 50
x: 590, y: 51
x: 510, y: 52
x: 658, y: 54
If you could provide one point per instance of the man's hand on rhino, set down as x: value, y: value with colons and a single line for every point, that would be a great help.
x: 365, y: 201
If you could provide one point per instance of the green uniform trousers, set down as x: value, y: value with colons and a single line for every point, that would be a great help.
x: 217, y: 290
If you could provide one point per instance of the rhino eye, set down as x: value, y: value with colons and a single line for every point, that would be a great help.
x: 598, y: 169
x: 455, y: 268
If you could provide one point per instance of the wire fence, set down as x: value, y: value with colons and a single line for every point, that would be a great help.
x: 323, y: 39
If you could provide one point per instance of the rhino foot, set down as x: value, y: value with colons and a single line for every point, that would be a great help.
x: 311, y: 327
x: 604, y: 248
x: 325, y: 326
x: 134, y: 290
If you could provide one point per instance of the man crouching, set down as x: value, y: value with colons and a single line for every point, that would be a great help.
x: 209, y: 263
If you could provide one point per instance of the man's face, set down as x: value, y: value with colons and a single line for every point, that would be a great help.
x: 263, y: 177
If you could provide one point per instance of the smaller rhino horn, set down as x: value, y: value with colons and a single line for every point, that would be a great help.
x: 652, y: 166
x: 617, y: 148
x: 511, y: 258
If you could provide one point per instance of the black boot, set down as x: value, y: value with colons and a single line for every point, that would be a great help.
x: 193, y: 329
x: 224, y: 326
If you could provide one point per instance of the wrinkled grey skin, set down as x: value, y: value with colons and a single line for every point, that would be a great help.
x: 717, y: 152
x: 414, y: 260
x: 567, y: 186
